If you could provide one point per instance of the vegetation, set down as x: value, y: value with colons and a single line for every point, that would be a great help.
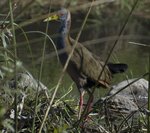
x: 118, y: 31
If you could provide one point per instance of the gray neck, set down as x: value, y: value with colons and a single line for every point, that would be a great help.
x: 64, y: 32
x: 64, y: 28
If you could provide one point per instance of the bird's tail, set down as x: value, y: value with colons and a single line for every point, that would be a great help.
x: 117, y: 68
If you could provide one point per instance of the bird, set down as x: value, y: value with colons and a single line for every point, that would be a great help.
x: 84, y: 67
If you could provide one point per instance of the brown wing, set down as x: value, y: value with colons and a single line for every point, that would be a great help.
x: 90, y: 65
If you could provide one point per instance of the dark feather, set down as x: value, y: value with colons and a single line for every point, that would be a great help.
x: 117, y: 68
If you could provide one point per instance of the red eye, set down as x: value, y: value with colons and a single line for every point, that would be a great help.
x: 61, y: 14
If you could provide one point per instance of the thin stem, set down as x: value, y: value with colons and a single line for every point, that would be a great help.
x: 64, y: 69
x: 148, y: 118
x: 108, y: 57
x: 41, y: 70
x: 15, y: 57
x: 79, y: 7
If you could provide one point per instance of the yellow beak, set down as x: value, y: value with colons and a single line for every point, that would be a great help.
x: 53, y: 17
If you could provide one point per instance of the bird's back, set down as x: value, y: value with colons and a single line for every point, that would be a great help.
x: 88, y: 66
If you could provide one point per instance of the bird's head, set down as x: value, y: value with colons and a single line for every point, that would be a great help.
x: 61, y: 15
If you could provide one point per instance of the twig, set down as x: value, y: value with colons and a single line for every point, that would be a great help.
x: 148, y: 118
x: 41, y: 17
x: 64, y: 69
x: 41, y: 70
x: 85, y: 113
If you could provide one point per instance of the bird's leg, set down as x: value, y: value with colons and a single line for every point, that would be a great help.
x: 89, y: 104
x: 82, y: 92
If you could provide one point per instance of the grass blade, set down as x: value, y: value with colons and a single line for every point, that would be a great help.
x: 64, y: 68
x: 148, y: 120
x: 15, y: 56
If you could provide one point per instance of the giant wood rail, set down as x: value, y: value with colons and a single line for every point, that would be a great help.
x: 84, y: 67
